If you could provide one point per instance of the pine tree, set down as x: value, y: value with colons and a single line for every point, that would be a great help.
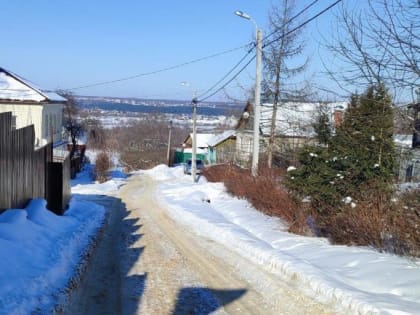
x: 358, y: 161
x: 365, y: 140
x: 322, y: 127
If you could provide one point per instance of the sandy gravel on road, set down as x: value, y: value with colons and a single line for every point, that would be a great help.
x: 146, y: 263
x: 187, y: 274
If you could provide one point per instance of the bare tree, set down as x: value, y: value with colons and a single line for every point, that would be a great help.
x: 96, y: 138
x: 277, y: 65
x: 378, y: 45
x: 72, y: 125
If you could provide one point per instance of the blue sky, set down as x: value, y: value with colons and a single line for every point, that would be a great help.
x: 68, y: 44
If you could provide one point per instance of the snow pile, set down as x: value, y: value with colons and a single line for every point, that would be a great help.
x: 84, y: 185
x: 359, y: 279
x: 40, y: 252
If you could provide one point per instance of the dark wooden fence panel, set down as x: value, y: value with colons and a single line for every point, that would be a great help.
x: 59, y: 189
x: 5, y: 158
x: 22, y: 168
x: 24, y: 172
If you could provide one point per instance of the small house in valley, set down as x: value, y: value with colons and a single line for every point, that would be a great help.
x: 293, y: 126
x: 222, y: 147
x: 202, y: 151
x: 211, y: 148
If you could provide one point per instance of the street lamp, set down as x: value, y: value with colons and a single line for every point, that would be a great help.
x: 257, y: 96
x: 194, y: 137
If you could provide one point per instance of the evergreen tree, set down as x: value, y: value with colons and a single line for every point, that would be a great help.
x: 358, y: 161
x: 365, y: 140
x: 322, y: 127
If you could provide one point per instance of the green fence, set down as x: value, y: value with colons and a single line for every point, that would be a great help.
x: 182, y: 157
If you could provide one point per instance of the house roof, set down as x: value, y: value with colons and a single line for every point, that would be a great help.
x: 219, y: 138
x: 202, y: 139
x: 15, y: 88
x: 403, y: 140
x: 293, y: 118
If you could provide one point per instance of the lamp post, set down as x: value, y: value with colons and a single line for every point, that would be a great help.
x: 168, y: 157
x: 194, y: 136
x: 256, y: 131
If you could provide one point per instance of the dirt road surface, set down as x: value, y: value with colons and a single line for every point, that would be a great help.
x: 146, y: 263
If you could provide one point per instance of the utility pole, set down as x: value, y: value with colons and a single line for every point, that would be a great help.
x: 194, y: 140
x: 168, y: 157
x: 257, y: 111
x: 257, y: 96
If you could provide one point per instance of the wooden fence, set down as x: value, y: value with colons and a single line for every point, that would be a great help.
x: 59, y: 190
x: 25, y: 173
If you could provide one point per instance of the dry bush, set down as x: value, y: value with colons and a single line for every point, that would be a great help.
x: 264, y: 192
x: 143, y: 144
x: 403, y: 233
x: 374, y: 221
x: 102, y: 165
x: 363, y: 225
x: 390, y: 227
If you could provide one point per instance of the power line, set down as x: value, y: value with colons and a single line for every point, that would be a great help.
x: 190, y: 62
x: 303, y: 24
x: 272, y: 42
x: 228, y: 73
x: 254, y: 45
x: 161, y: 70
x: 228, y: 82
x: 294, y: 17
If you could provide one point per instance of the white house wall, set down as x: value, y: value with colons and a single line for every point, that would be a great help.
x: 25, y: 115
x: 37, y: 114
x: 244, y: 142
x: 52, y: 117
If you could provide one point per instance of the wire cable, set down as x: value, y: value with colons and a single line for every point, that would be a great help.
x: 161, y: 70
x: 294, y: 17
x: 270, y: 43
x: 254, y: 45
x: 189, y: 62
x: 228, y: 82
x: 227, y: 74
x: 304, y: 23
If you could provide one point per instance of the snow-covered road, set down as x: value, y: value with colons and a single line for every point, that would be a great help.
x: 164, y: 268
x: 169, y: 245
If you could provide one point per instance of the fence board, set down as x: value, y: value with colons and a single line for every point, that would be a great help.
x: 24, y: 172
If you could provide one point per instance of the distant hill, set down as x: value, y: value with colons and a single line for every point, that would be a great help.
x: 157, y: 106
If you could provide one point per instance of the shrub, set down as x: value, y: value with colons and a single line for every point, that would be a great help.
x: 102, y: 165
x: 265, y: 192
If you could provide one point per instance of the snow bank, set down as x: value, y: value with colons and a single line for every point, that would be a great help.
x: 83, y: 183
x: 359, y: 279
x: 40, y: 251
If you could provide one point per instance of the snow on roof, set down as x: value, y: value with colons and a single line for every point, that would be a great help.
x: 15, y: 88
x: 403, y: 140
x: 296, y: 118
x: 216, y: 139
x: 199, y: 150
x: 202, y: 139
